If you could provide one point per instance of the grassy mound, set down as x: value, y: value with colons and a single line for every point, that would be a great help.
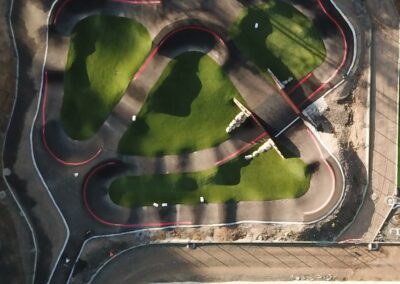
x: 104, y: 54
x: 188, y: 109
x: 285, y: 40
x: 268, y: 177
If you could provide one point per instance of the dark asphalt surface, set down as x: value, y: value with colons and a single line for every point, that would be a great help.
x: 64, y: 186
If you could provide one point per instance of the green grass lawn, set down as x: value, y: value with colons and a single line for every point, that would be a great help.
x: 285, y: 41
x: 104, y: 54
x: 188, y: 109
x: 268, y: 177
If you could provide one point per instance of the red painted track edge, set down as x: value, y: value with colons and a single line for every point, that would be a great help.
x: 327, y: 165
x: 241, y: 150
x: 345, y: 47
x: 301, y: 82
x: 44, y: 139
x: 166, y: 37
x: 108, y: 223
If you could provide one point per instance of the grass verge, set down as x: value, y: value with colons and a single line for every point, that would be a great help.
x: 285, y: 40
x: 104, y: 54
x: 267, y: 177
x: 188, y: 109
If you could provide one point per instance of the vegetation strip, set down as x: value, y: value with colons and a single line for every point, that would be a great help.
x: 266, y: 177
x: 101, y: 63
x: 275, y: 35
x: 188, y: 109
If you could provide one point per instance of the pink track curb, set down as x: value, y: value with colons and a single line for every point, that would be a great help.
x: 44, y: 139
x: 301, y: 82
x: 345, y: 45
x: 108, y: 223
x: 327, y: 165
x: 241, y: 150
x: 157, y: 47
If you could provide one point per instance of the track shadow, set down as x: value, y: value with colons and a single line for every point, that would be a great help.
x: 187, y: 40
x: 329, y: 231
x: 42, y: 239
x: 287, y: 147
x: 324, y: 125
x: 312, y: 168
x: 230, y: 173
x: 325, y: 27
x: 230, y: 208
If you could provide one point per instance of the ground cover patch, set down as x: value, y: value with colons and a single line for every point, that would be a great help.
x: 104, y: 54
x: 188, y: 109
x: 267, y: 177
x: 285, y: 40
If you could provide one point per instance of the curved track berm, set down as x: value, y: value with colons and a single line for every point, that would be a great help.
x: 99, y: 162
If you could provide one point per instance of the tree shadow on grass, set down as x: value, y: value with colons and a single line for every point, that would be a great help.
x: 252, y: 41
x: 187, y: 184
x: 83, y: 43
x: 131, y: 138
x: 230, y: 173
x: 175, y: 95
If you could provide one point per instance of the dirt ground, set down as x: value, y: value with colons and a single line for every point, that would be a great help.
x: 7, y: 72
x: 397, y: 3
x: 248, y: 262
x: 11, y: 264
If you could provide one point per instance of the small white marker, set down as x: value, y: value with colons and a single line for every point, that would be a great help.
x: 256, y: 25
x: 6, y: 172
x: 133, y: 117
x: 164, y: 204
x: 76, y: 174
x: 155, y: 204
x: 201, y: 199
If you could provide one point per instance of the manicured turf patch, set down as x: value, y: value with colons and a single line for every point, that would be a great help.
x: 285, y: 40
x: 188, y: 109
x: 268, y: 177
x: 104, y: 54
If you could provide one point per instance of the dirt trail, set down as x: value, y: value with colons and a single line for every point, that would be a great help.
x: 13, y: 229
